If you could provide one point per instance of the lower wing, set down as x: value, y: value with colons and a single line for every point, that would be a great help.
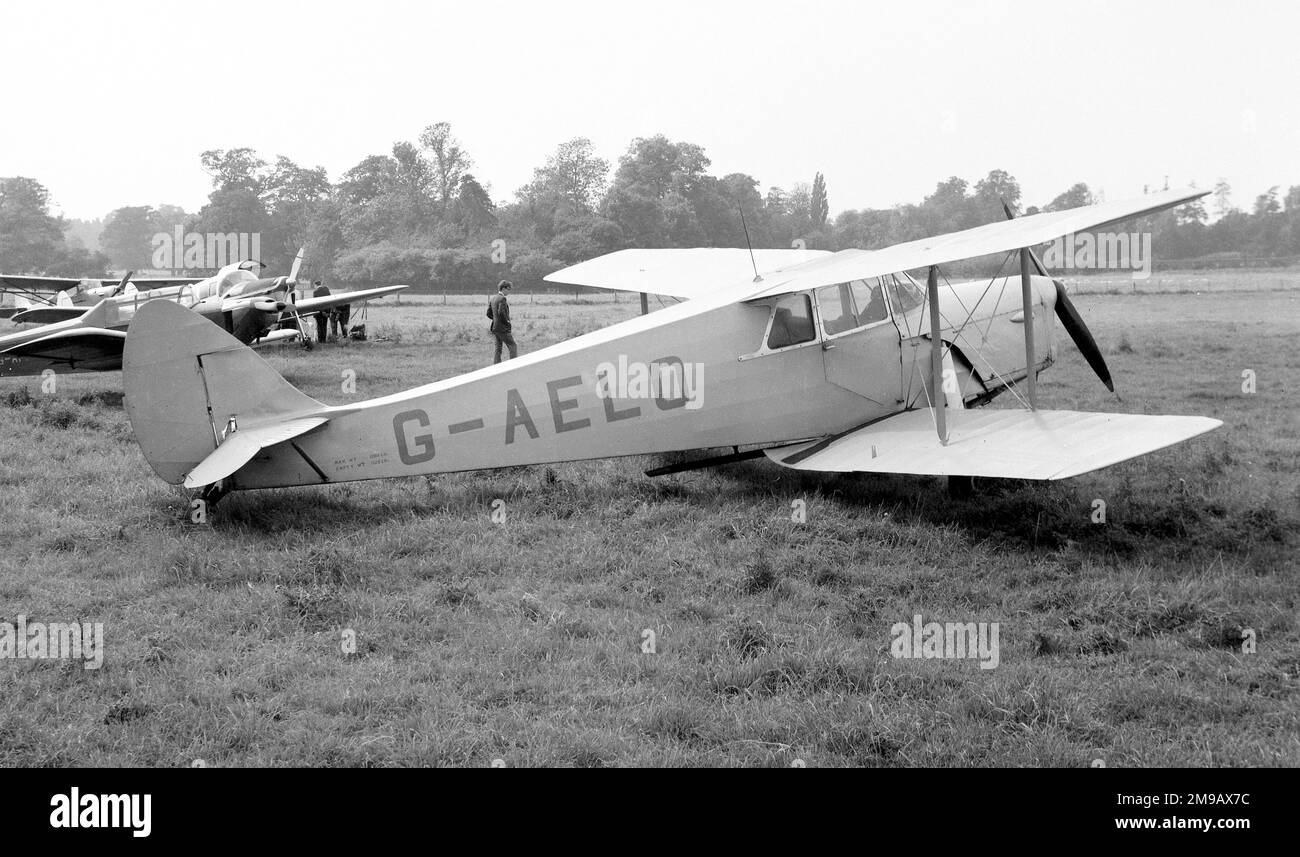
x: 1012, y: 444
x: 87, y: 349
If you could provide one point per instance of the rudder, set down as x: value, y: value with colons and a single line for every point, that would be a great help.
x: 185, y: 378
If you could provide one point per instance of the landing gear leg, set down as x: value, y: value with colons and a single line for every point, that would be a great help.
x: 212, y: 494
x: 961, y: 487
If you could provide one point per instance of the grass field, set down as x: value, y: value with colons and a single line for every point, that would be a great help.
x: 523, y: 641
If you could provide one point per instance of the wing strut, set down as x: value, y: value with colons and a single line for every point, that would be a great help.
x: 1027, y: 296
x: 936, y: 356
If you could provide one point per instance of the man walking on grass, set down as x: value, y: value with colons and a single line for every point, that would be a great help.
x: 499, y: 312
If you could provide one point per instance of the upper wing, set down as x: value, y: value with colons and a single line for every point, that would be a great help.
x: 26, y: 284
x: 307, y: 305
x: 86, y: 349
x: 999, y: 237
x: 678, y: 273
x: 1012, y: 444
x: 144, y: 284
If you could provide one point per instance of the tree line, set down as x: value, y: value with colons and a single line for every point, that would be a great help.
x: 419, y: 215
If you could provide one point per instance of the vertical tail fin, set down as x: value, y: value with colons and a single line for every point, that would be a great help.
x: 185, y: 379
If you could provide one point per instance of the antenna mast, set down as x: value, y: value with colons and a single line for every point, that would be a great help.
x: 749, y: 244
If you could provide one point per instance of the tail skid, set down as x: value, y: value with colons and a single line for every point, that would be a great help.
x: 200, y: 402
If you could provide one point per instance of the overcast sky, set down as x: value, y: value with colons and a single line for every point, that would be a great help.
x: 110, y: 104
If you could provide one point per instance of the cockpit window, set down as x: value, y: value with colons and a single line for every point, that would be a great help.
x: 904, y: 292
x: 836, y: 308
x: 870, y: 302
x: 233, y: 278
x: 849, y: 306
x: 792, y: 322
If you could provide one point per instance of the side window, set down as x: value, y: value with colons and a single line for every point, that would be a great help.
x: 905, y: 293
x: 870, y: 302
x: 835, y: 308
x: 792, y: 322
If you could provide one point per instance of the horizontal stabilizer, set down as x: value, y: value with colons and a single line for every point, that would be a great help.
x: 1010, y: 444
x: 678, y: 273
x: 239, y: 448
x: 49, y: 314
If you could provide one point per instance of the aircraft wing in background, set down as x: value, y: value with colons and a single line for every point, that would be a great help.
x: 309, y: 305
x: 48, y: 314
x: 85, y: 349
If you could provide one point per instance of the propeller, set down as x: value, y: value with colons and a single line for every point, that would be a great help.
x: 126, y: 278
x: 297, y: 265
x: 1070, y: 318
x: 289, y: 303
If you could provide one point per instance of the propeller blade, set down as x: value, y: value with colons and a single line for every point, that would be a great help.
x: 1073, y: 324
x: 1070, y: 318
x: 126, y: 278
x: 297, y: 264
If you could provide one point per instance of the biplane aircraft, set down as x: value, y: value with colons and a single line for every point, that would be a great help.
x: 80, y: 339
x: 832, y: 362
x: 40, y: 292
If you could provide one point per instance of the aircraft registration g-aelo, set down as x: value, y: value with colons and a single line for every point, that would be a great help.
x: 819, y: 361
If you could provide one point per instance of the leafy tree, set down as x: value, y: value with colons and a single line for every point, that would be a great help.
x: 368, y: 180
x: 474, y: 210
x: 77, y: 261
x: 1267, y: 203
x: 127, y: 236
x: 1223, y: 199
x: 450, y: 161
x: 991, y: 191
x: 1292, y: 200
x: 31, y: 239
x: 1078, y: 195
x: 292, y: 196
x: 233, y: 209
x: 820, y: 204
x: 239, y: 169
x: 574, y: 175
x: 949, y: 208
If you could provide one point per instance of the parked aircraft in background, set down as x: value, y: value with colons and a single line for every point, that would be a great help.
x: 81, y: 339
x: 36, y: 292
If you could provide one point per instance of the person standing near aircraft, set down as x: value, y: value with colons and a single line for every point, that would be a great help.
x: 499, y: 312
x: 339, y: 321
x: 322, y: 317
